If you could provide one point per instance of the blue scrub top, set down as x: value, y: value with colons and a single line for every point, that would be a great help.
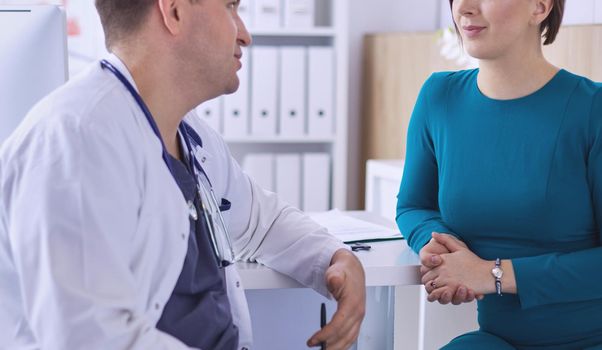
x: 198, y: 311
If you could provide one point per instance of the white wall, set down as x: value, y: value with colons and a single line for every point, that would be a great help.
x: 445, y: 17
x: 579, y: 12
x: 369, y: 17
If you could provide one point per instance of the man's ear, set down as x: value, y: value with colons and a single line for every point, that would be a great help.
x: 171, y: 16
x: 542, y: 11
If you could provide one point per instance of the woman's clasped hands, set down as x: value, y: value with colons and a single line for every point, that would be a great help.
x: 452, y: 273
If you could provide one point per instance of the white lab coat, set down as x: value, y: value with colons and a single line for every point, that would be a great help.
x: 94, y: 229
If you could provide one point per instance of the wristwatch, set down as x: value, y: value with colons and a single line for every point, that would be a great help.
x: 497, y: 273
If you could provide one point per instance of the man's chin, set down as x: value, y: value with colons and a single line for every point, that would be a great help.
x: 232, y: 87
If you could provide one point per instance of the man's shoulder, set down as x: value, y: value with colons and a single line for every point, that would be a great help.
x: 91, y: 97
x: 90, y: 103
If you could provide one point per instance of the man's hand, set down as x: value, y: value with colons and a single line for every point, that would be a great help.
x: 346, y: 282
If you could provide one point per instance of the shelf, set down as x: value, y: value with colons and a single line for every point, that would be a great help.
x: 293, y: 32
x: 278, y: 139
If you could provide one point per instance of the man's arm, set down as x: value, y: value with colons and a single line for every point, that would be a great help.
x: 268, y: 230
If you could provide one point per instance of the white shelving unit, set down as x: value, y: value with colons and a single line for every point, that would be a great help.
x: 335, y: 35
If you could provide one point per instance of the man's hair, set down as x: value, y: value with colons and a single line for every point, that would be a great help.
x: 120, y: 18
x: 551, y: 25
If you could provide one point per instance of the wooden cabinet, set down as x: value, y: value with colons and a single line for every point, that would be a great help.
x: 395, y: 67
x: 578, y: 49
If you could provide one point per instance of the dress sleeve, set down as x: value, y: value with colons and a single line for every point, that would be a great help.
x: 417, y: 202
x: 569, y: 277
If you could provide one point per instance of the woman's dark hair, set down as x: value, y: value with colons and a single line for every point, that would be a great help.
x: 551, y: 25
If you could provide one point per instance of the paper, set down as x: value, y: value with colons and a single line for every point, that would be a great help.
x: 349, y: 229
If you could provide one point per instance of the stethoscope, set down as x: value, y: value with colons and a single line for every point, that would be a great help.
x: 189, y: 136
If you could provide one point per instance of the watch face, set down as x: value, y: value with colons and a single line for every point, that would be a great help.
x: 497, y: 272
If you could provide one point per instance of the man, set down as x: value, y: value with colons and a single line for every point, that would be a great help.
x: 108, y: 239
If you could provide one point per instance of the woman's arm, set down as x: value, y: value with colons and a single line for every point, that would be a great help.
x: 418, y: 213
x: 417, y: 204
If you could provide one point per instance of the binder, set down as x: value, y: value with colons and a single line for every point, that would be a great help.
x: 321, y: 91
x: 211, y: 112
x: 293, y: 87
x: 236, y: 105
x: 245, y: 12
x: 288, y: 178
x: 267, y: 14
x: 299, y: 13
x: 316, y: 182
x: 260, y: 167
x: 264, y: 89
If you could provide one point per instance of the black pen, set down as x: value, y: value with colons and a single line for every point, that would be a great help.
x: 323, y: 323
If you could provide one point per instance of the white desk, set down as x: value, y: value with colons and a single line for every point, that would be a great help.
x: 387, y: 265
x: 390, y: 263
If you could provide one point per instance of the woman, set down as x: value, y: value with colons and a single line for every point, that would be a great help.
x: 505, y: 162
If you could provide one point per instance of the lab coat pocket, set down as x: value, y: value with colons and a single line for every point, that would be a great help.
x: 225, y: 205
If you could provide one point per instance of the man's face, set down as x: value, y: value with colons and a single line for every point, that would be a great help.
x: 211, y: 47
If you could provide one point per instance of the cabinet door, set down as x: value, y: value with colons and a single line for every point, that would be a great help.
x: 579, y: 12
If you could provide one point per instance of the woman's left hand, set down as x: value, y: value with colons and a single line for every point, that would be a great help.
x: 460, y: 267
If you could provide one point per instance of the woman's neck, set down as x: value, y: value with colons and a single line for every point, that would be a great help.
x: 510, y: 77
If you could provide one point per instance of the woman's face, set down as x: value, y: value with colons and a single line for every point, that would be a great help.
x: 493, y: 28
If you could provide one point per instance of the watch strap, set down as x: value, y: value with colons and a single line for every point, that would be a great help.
x: 498, y: 280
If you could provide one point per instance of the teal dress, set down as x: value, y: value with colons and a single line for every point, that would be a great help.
x: 514, y: 179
